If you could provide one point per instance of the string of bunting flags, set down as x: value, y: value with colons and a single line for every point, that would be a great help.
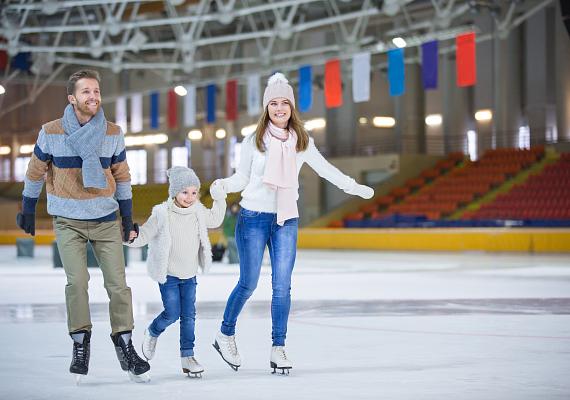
x: 466, y: 74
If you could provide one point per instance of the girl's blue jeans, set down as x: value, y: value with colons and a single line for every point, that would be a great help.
x: 179, y: 300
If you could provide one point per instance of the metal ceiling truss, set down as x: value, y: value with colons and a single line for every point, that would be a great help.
x: 211, y: 40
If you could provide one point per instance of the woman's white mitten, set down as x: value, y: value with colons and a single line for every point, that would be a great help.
x: 363, y: 191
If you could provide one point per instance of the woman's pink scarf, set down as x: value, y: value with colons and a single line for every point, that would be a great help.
x: 281, y: 170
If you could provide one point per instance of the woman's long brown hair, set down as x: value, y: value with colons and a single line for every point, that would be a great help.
x: 294, y: 123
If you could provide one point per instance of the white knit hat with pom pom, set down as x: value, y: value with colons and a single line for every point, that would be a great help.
x: 278, y: 86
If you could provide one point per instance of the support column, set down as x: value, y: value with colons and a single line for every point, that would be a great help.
x: 539, y: 86
x: 13, y: 156
x: 341, y: 124
x: 230, y: 135
x: 483, y: 96
x: 411, y: 116
x: 507, y: 92
x: 562, y: 66
x: 454, y: 108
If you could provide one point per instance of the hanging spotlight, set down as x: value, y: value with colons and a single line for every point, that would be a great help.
x: 180, y: 90
x: 484, y: 115
x: 221, y: 133
x: 391, y: 7
x: 317, y: 123
x: 2, y: 90
x: 195, y: 134
x: 384, y: 122
x: 137, y: 41
x: 399, y: 42
x: 433, y: 120
x: 141, y: 140
x: 27, y: 149
x: 50, y: 7
x: 248, y: 130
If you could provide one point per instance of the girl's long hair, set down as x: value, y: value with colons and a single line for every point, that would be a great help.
x: 295, y: 123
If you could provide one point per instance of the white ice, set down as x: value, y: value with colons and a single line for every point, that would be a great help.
x: 364, y: 325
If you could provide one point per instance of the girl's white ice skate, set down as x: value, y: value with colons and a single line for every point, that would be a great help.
x: 279, y: 360
x: 191, y: 367
x: 226, y: 347
x: 148, y: 345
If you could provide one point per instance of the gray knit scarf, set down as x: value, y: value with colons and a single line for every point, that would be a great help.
x: 86, y: 141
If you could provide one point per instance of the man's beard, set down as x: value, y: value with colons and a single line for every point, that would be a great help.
x: 85, y: 110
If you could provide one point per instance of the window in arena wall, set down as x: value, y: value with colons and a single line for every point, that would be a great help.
x: 524, y: 137
x: 5, y: 171
x: 160, y: 165
x: 137, y: 165
x: 180, y: 156
x: 20, y: 168
x: 470, y: 147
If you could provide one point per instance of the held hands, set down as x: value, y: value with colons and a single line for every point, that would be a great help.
x: 27, y: 222
x: 366, y: 192
x: 129, y: 229
x: 218, y: 190
x: 133, y: 235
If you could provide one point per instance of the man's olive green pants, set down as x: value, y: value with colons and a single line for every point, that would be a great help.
x: 105, y: 237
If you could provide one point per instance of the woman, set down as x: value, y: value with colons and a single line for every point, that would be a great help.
x: 268, y: 175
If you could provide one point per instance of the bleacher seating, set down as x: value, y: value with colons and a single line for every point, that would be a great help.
x: 545, y: 196
x: 380, y: 206
x: 439, y: 192
x: 463, y: 185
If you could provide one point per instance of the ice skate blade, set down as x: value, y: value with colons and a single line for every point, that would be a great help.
x: 142, y: 378
x: 78, y: 379
x: 192, y: 375
x: 283, y: 370
x: 232, y: 366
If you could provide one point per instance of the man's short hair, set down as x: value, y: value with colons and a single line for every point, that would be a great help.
x: 82, y: 73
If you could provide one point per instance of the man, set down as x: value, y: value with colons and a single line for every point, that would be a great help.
x: 82, y: 158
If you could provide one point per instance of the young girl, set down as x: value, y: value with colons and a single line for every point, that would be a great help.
x: 268, y: 175
x: 178, y: 243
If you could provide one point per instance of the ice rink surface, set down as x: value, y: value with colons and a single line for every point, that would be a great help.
x: 363, y: 325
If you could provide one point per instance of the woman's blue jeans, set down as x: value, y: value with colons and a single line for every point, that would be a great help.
x: 179, y: 301
x: 254, y: 231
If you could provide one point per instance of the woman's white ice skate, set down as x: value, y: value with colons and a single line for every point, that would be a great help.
x: 279, y: 360
x: 226, y: 347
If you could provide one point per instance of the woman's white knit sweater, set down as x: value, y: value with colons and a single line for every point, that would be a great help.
x: 256, y: 195
x: 178, y: 229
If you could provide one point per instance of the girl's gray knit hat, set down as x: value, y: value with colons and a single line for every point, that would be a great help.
x: 180, y: 178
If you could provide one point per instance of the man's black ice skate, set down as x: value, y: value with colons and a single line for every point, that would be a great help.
x: 130, y: 361
x: 81, y: 351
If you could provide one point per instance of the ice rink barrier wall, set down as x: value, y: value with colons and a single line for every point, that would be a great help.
x: 524, y: 240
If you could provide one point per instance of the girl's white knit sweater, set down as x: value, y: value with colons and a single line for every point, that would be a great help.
x: 256, y: 195
x: 174, y: 238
